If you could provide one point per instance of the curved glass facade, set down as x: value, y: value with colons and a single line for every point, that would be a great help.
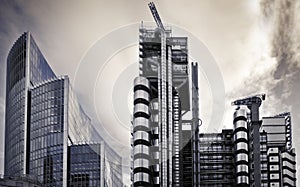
x: 23, y: 59
x: 47, y: 132
x: 15, y: 102
x: 44, y: 119
x: 112, y: 167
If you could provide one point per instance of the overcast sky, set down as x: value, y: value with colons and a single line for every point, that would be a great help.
x: 253, y: 43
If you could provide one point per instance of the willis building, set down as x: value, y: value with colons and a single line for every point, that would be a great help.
x: 48, y: 137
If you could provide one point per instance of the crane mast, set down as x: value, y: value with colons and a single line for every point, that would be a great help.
x: 156, y: 16
x: 253, y: 103
x: 165, y: 104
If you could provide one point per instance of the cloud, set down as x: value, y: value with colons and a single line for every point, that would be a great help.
x: 280, y: 81
x: 280, y: 78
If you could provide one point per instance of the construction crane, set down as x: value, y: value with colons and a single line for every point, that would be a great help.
x: 249, y: 100
x: 166, y: 155
x: 253, y: 103
x: 156, y: 16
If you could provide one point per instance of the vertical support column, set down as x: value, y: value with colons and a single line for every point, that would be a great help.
x: 195, y: 125
x: 102, y: 162
x: 255, y: 149
x: 176, y: 148
x: 170, y: 115
x: 26, y: 116
x: 66, y: 131
x: 162, y: 94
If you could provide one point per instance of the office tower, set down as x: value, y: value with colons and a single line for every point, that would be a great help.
x: 277, y: 156
x: 247, y: 138
x: 163, y: 134
x: 280, y: 153
x: 88, y: 160
x: 227, y: 158
x: 25, y: 65
x: 43, y: 119
x: 217, y: 159
x: 56, y: 121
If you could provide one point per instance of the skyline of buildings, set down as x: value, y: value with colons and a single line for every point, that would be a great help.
x: 286, y: 155
x: 46, y: 103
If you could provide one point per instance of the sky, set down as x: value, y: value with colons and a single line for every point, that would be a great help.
x: 254, y: 45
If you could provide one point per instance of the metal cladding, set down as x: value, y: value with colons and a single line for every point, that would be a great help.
x: 161, y: 99
x: 141, y: 136
x: 289, y: 167
x: 281, y: 155
x: 217, y: 159
x: 276, y: 155
x: 176, y: 142
x: 253, y: 103
x: 273, y: 159
x: 241, y: 147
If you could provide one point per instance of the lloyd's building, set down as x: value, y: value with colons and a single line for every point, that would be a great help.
x: 163, y: 136
x: 167, y: 149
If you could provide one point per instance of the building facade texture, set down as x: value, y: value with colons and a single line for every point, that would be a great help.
x: 44, y: 122
x: 226, y: 159
x: 162, y: 133
x: 217, y: 163
x: 88, y: 160
x: 21, y: 181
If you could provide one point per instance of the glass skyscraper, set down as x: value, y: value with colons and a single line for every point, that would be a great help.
x: 45, y: 124
x: 25, y: 66
x: 86, y: 162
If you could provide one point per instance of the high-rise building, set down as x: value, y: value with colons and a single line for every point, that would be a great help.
x: 88, y: 160
x: 280, y: 153
x: 227, y: 158
x: 25, y: 66
x: 217, y: 159
x: 164, y: 149
x: 44, y: 123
